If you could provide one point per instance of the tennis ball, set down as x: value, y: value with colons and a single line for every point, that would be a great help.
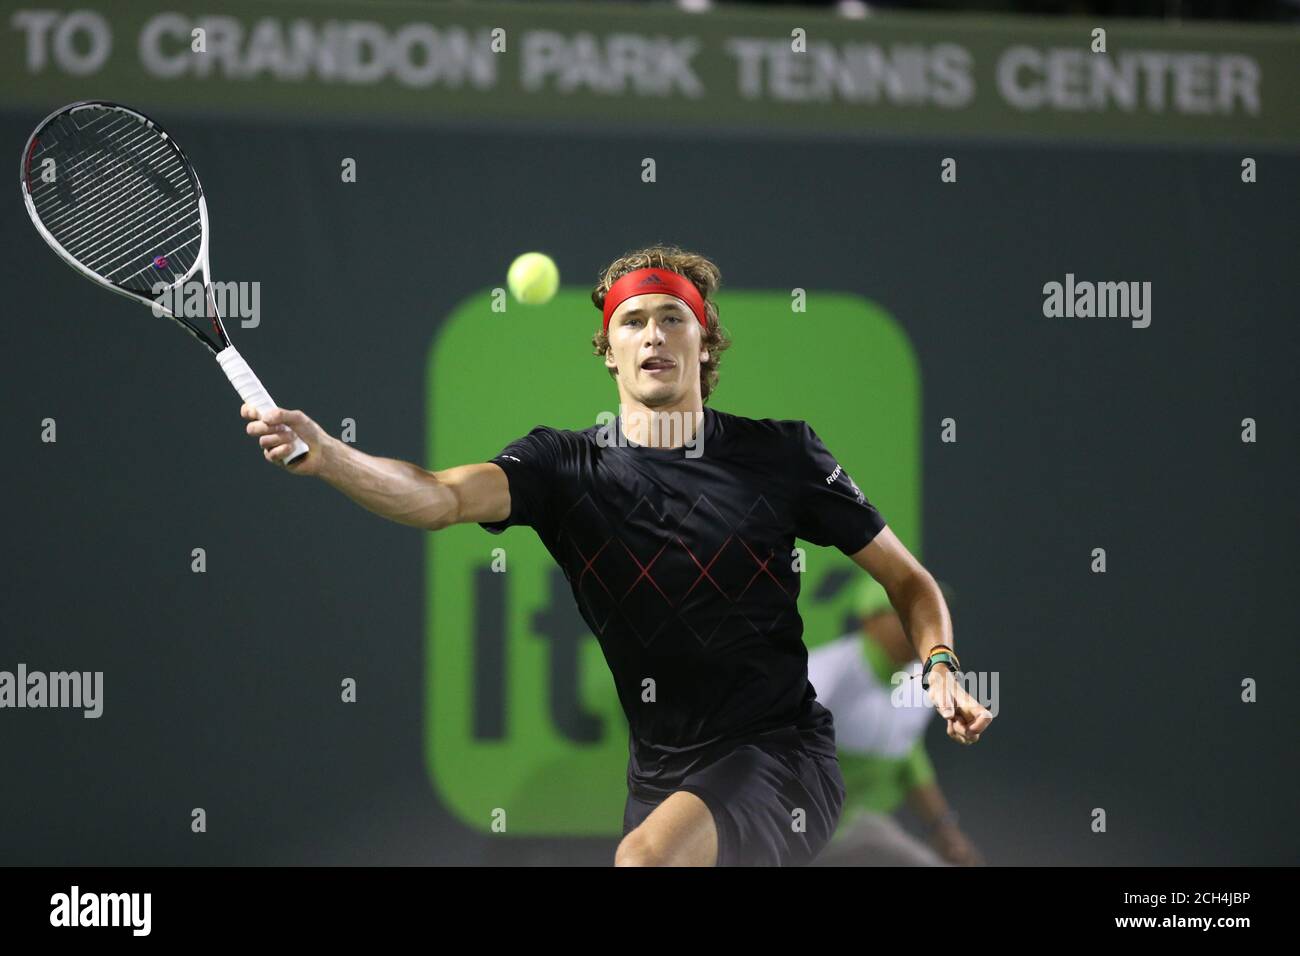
x: 533, y: 278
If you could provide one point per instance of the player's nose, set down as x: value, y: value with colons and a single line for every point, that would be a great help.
x: 654, y: 332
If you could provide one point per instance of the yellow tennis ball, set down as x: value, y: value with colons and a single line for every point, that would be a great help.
x: 533, y: 278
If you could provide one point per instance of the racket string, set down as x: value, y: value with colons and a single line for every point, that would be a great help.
x: 123, y: 203
x: 106, y: 190
x: 69, y: 177
x: 103, y: 191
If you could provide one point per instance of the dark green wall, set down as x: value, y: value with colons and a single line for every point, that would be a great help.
x: 1118, y: 691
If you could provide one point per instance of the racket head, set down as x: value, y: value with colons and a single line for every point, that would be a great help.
x: 117, y: 199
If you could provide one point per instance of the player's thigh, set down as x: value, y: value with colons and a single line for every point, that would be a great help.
x: 678, y: 832
x: 775, y: 802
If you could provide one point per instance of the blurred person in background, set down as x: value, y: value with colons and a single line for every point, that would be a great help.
x: 881, y: 746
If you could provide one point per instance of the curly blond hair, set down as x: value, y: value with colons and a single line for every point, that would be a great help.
x: 703, y: 274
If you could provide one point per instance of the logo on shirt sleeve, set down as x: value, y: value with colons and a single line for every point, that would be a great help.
x: 830, y: 480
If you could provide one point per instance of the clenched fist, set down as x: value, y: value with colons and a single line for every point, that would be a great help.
x: 967, y: 718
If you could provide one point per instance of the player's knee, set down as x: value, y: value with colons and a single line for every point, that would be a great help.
x: 637, y: 849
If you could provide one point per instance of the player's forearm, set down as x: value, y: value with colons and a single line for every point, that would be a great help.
x: 924, y: 614
x: 396, y: 490
x: 928, y: 803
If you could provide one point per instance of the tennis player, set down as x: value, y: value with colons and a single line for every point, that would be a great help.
x: 675, y: 525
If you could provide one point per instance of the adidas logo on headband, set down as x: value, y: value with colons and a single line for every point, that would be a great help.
x: 669, y: 283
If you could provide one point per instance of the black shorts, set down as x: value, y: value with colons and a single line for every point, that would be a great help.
x: 756, y: 791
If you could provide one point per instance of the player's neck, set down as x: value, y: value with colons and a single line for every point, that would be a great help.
x: 663, y: 426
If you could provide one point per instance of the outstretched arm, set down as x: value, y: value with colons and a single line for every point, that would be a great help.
x: 397, y: 490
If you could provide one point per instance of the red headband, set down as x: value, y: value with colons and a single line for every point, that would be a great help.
x: 649, y: 282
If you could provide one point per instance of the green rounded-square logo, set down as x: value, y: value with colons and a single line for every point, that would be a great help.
x: 523, y: 730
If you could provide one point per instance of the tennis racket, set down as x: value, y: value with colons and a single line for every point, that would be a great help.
x: 118, y: 200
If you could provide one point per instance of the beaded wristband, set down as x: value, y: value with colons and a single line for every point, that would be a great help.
x: 939, y: 657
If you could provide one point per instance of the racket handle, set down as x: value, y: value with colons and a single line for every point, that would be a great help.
x: 251, y: 390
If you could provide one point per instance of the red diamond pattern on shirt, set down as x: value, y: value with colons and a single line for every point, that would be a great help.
x: 701, y: 577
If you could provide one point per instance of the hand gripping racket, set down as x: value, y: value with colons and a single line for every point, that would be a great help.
x: 116, y: 198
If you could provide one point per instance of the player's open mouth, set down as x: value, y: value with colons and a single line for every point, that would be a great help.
x: 657, y: 365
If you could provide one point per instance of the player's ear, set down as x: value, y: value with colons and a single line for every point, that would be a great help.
x: 704, y: 356
x: 609, y: 359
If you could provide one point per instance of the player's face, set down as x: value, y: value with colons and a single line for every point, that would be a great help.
x: 654, y: 343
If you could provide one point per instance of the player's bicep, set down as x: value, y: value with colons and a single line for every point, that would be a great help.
x: 480, y: 492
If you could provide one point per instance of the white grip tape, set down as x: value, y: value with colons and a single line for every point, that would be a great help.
x: 251, y: 390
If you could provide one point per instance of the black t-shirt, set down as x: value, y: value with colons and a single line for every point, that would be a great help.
x: 683, y: 569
